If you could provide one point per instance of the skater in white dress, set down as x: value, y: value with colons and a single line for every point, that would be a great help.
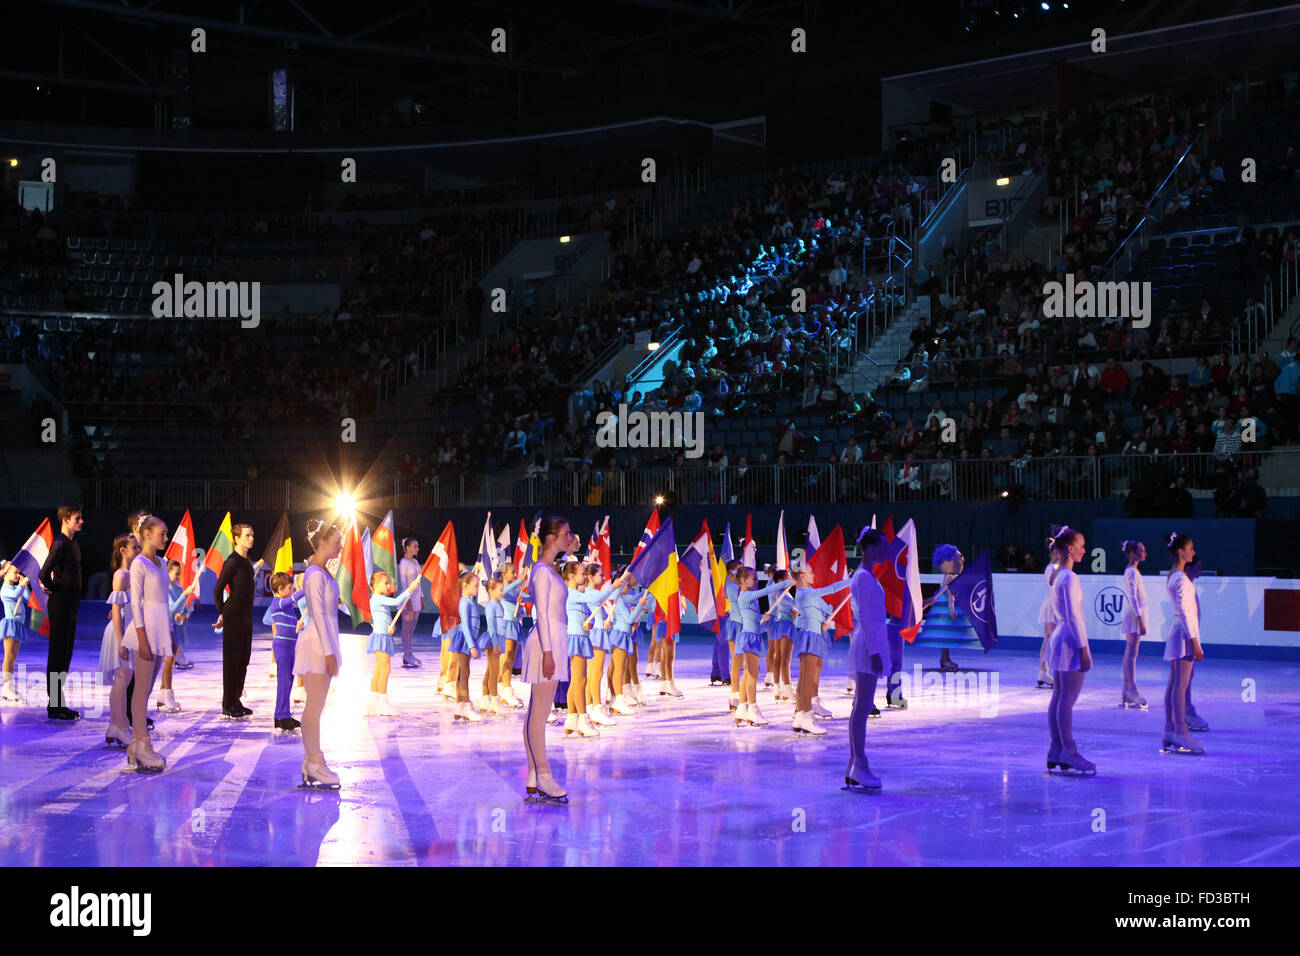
x: 1182, y: 647
x: 317, y: 654
x: 115, y: 664
x: 1067, y: 653
x: 1134, y: 623
x: 149, y: 637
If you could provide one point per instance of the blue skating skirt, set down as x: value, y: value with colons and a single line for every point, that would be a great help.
x: 781, y: 629
x: 810, y: 642
x: 600, y: 639
x: 12, y: 629
x: 580, y: 646
x: 381, y: 641
x: 461, y: 646
x: 621, y: 639
x: 732, y: 632
x: 487, y: 639
x: 512, y: 631
x: 751, y: 643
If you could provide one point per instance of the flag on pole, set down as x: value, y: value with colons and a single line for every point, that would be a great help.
x: 442, y: 571
x: 749, y: 552
x: 782, y: 552
x: 383, y: 548
x: 651, y: 528
x: 598, y: 550
x: 523, y: 547
x: 887, y: 529
x: 486, y: 565
x: 655, y: 569
x: 697, y: 584
x: 973, y: 589
x: 728, y: 552
x: 900, y: 576
x: 220, y: 549
x: 354, y: 589
x: 181, y: 548
x: 503, y: 545
x: 278, y: 553
x: 719, y: 588
x: 828, y: 565
x: 367, y: 554
x: 29, y: 561
x: 814, y: 539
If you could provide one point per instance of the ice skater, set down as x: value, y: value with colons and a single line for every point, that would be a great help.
x: 408, y: 571
x: 781, y: 634
x: 811, y: 646
x: 466, y: 642
x: 601, y: 625
x: 181, y: 611
x: 733, y: 629
x: 581, y: 609
x: 282, y: 617
x: 868, y: 650
x: 493, y: 641
x: 235, y: 621
x: 383, y: 605
x: 1182, y: 647
x: 149, y: 638
x: 14, y: 594
x: 948, y: 560
x: 629, y: 605
x: 545, y: 657
x: 751, y: 643
x: 1068, y: 654
x: 317, y: 654
x: 115, y: 664
x: 1134, y: 624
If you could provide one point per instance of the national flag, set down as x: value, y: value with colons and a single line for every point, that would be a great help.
x: 368, y: 554
x: 973, y: 589
x: 221, y: 548
x: 523, y: 546
x: 782, y: 552
x: 181, y: 548
x: 29, y: 561
x: 719, y: 588
x: 651, y: 528
x: 354, y: 588
x: 900, y: 576
x: 442, y: 571
x: 829, y: 564
x: 728, y: 552
x: 655, y: 569
x: 486, y: 565
x: 696, y: 570
x: 814, y: 539
x: 383, y: 548
x: 598, y: 549
x: 278, y: 554
x: 503, y: 545
x: 887, y: 529
x: 748, y: 550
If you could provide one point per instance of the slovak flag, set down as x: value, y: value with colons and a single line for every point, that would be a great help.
x: 782, y: 552
x: 749, y: 551
x: 29, y: 562
x: 900, y: 576
x: 696, y: 577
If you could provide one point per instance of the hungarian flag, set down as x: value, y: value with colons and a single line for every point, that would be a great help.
x: 782, y: 552
x: 598, y: 549
x: 900, y: 576
x: 828, y: 565
x: 383, y: 548
x: 748, y: 551
x: 29, y: 562
x: 973, y: 590
x: 655, y: 569
x: 181, y: 548
x: 442, y: 571
x: 220, y: 549
x: 354, y: 591
x: 278, y: 554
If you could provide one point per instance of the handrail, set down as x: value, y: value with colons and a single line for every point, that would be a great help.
x: 1147, y: 215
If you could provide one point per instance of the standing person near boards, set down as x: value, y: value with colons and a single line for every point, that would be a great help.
x: 61, y: 579
x: 235, y: 618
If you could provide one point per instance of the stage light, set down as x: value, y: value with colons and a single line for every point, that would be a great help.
x: 659, y: 500
x: 565, y: 238
x: 13, y: 162
x: 1045, y: 5
x: 652, y: 346
x: 1005, y: 494
x: 346, y: 505
x: 1004, y: 181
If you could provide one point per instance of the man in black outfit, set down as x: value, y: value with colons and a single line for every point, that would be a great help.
x: 235, y: 617
x: 61, y: 579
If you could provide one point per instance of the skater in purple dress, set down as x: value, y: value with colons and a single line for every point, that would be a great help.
x: 1182, y: 647
x: 150, y: 636
x: 868, y: 654
x: 1068, y: 654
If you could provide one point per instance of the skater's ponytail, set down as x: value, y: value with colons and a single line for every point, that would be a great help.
x: 1130, y: 545
x: 1176, y: 542
x: 120, y: 542
x: 868, y: 537
x: 1062, y: 535
x: 318, y: 532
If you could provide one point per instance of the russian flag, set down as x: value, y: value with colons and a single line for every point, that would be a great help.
x: 655, y: 569
x: 697, y: 582
x: 29, y: 562
x: 782, y: 552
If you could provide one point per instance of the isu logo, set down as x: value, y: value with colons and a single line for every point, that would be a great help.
x: 979, y: 602
x: 1109, y: 606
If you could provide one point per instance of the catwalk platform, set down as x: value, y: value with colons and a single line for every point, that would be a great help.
x: 677, y: 785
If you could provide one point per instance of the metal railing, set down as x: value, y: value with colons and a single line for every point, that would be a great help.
x: 955, y: 479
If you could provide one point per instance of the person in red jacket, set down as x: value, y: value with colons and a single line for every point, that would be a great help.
x: 1113, y: 378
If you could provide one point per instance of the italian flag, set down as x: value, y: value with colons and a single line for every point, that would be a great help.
x: 354, y: 592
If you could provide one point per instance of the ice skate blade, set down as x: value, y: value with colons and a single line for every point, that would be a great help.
x: 1070, y: 771
x: 1044, y: 683
x: 543, y: 799
x: 311, y: 783
x: 1175, y: 749
x: 853, y: 786
x: 141, y: 768
x: 1132, y: 705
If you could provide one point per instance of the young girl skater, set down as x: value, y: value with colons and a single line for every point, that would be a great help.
x: 1067, y: 653
x: 1182, y: 647
x: 115, y: 662
x: 1047, y: 621
x: 282, y: 616
x: 317, y: 654
x: 493, y: 641
x: 781, y: 633
x: 177, y: 600
x: 464, y: 643
x: 511, y: 634
x: 630, y: 603
x: 868, y: 653
x: 383, y: 604
x: 545, y: 656
x: 734, y: 628
x: 811, y: 646
x: 601, y: 625
x: 580, y: 606
x: 149, y: 637
x: 750, y: 644
x: 15, y: 592
x: 1134, y: 625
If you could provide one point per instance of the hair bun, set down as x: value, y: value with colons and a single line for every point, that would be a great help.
x: 1173, y: 536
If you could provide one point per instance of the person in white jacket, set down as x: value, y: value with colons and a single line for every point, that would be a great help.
x: 1068, y: 654
x: 1182, y: 646
x: 317, y: 655
x: 1134, y: 623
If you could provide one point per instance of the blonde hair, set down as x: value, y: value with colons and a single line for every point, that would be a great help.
x: 145, y: 522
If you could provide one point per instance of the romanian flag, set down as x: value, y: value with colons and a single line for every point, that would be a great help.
x: 181, y: 548
x: 278, y: 554
x: 220, y: 549
x: 383, y: 547
x: 29, y: 562
x: 828, y: 565
x: 442, y: 571
x: 655, y: 569
x: 749, y: 551
x: 354, y: 591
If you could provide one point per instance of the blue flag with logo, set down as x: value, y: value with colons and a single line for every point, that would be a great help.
x: 973, y: 589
